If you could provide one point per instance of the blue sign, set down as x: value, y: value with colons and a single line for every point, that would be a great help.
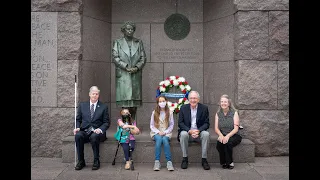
x: 173, y: 95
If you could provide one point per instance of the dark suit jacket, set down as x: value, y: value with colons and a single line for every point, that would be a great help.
x: 184, y: 122
x: 100, y: 117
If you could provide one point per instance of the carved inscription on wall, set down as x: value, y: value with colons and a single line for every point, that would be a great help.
x: 44, y: 58
x: 177, y: 53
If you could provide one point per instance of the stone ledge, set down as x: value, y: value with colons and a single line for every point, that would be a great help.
x: 144, y: 150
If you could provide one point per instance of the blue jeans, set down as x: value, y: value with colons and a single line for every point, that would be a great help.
x: 159, y: 141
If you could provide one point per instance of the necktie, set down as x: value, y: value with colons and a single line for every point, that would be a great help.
x: 92, y: 110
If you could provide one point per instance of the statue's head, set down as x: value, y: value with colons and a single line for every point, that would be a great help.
x: 124, y: 25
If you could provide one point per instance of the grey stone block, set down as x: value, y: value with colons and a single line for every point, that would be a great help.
x: 96, y: 40
x: 268, y: 130
x: 219, y: 79
x: 152, y: 75
x: 94, y: 73
x: 262, y: 4
x: 143, y: 11
x: 251, y: 35
x: 193, y: 10
x: 98, y: 9
x: 114, y: 115
x: 144, y: 115
x: 69, y: 36
x: 283, y: 84
x: 54, y: 5
x: 67, y: 69
x: 48, y: 127
x: 279, y: 35
x: 218, y: 38
x: 189, y: 49
x: 257, y: 84
x: 215, y: 9
x: 192, y: 72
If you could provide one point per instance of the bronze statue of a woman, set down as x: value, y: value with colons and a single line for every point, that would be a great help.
x: 129, y: 57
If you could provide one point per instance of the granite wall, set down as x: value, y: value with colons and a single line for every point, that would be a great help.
x: 246, y: 55
x: 239, y: 48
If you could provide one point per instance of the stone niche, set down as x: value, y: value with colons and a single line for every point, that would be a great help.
x: 239, y: 48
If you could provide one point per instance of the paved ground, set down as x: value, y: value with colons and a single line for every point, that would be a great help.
x: 264, y: 168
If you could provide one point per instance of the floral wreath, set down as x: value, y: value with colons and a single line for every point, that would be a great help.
x: 179, y: 83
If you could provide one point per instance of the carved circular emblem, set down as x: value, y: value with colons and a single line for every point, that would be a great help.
x: 177, y: 26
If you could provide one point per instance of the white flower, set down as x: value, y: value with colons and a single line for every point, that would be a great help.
x: 171, y: 108
x: 162, y: 89
x: 181, y: 79
x: 188, y: 87
x: 161, y: 83
x: 180, y: 100
x: 182, y: 87
x: 169, y: 103
x: 175, y: 105
x: 172, y: 77
x: 166, y: 82
x: 186, y: 102
x: 175, y: 82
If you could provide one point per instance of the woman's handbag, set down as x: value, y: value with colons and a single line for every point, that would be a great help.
x: 121, y: 135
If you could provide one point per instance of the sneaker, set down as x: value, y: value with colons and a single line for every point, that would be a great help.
x: 231, y: 166
x: 205, y: 164
x: 157, y: 165
x: 184, y: 164
x: 127, y: 166
x: 170, y: 166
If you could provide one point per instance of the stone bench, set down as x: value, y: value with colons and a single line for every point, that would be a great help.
x: 144, y: 150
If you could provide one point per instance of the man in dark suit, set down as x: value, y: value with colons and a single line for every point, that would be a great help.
x: 92, y: 122
x: 193, y: 125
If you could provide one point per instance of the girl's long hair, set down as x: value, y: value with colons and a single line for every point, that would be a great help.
x: 157, y: 110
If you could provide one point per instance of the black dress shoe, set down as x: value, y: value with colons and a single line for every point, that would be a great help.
x: 96, y: 164
x: 184, y: 164
x: 224, y: 166
x: 205, y: 164
x: 80, y: 165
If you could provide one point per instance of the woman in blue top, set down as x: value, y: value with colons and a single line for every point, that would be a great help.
x: 226, y: 126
